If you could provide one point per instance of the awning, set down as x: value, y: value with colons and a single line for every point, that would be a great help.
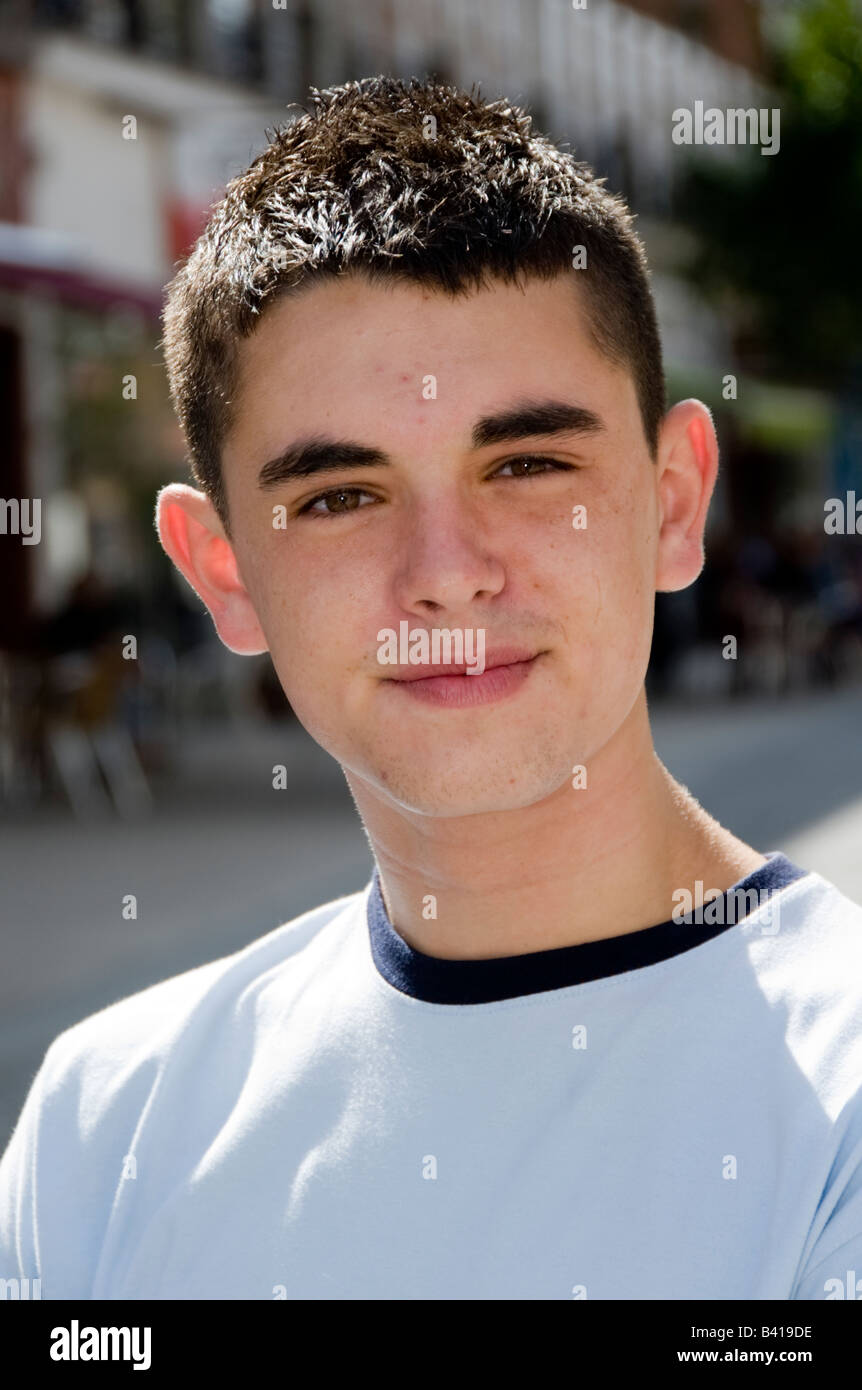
x: 32, y: 258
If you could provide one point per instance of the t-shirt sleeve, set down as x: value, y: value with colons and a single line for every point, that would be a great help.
x: 64, y: 1163
x: 832, y: 1265
x: 19, y: 1237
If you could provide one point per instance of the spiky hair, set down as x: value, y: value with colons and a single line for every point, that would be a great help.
x: 414, y: 181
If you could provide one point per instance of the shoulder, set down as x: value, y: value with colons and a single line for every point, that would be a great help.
x: 806, y: 948
x: 100, y: 1079
x: 124, y: 1046
x: 812, y: 920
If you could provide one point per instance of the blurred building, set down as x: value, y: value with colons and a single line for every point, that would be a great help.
x: 113, y: 148
x: 730, y: 28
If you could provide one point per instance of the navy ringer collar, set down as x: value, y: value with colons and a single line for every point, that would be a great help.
x: 437, y: 981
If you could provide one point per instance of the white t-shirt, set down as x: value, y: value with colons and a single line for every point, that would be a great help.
x: 328, y: 1114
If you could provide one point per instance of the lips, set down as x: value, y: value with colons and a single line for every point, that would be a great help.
x: 502, y: 656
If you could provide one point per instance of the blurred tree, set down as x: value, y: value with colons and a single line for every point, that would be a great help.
x: 778, y: 236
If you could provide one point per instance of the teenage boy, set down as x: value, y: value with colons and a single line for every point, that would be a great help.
x: 416, y: 360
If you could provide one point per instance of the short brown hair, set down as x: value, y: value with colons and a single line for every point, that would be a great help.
x: 365, y: 181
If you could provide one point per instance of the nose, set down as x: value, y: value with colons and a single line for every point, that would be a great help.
x: 446, y: 561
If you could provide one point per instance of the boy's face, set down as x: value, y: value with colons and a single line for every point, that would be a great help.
x: 448, y: 535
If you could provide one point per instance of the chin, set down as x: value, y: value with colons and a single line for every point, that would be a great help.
x: 472, y: 787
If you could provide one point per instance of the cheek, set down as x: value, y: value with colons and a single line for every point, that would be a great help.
x: 319, y: 614
x: 603, y: 570
x: 599, y: 587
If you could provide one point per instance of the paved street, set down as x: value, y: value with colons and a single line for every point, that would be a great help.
x: 226, y: 857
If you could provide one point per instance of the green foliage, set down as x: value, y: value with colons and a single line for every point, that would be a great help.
x: 780, y: 234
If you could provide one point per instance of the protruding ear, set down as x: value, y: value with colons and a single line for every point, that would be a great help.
x: 688, y: 466
x: 192, y: 535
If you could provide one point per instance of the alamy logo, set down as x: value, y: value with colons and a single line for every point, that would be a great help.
x: 442, y: 646
x: 20, y: 1289
x: 843, y: 515
x: 849, y: 1287
x: 76, y: 1343
x: 734, y: 126
x: 715, y: 908
x: 21, y: 516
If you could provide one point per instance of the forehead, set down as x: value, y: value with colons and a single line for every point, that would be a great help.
x: 355, y: 356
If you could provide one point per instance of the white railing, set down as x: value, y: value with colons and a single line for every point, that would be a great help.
x: 608, y: 77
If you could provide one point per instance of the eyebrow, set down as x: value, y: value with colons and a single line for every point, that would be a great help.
x: 526, y: 420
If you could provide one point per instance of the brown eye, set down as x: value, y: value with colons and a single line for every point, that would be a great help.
x: 532, y: 465
x: 336, y: 502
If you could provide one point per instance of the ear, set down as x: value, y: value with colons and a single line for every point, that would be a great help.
x: 687, y: 467
x: 192, y: 534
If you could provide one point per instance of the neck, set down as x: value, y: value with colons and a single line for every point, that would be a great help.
x: 579, y: 865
